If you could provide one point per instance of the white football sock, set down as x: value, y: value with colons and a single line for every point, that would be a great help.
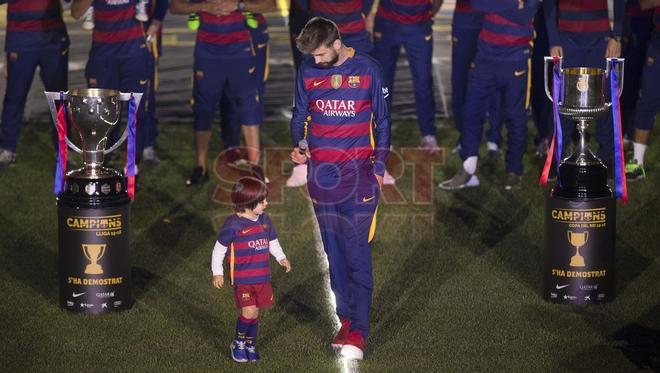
x: 638, y: 152
x: 470, y: 165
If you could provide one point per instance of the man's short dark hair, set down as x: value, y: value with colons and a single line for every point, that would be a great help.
x: 317, y: 32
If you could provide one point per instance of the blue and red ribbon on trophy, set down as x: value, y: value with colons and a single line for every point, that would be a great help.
x: 130, y: 147
x: 60, y: 168
x: 556, y: 145
x: 621, y: 191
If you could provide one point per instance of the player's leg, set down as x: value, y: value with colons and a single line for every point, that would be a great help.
x: 418, y: 41
x: 387, y: 47
x: 647, y: 107
x: 358, y: 227
x: 209, y: 82
x: 463, y: 51
x: 515, y: 90
x: 329, y: 222
x: 54, y: 72
x: 481, y: 88
x: 243, y: 91
x: 135, y: 77
x: 20, y: 71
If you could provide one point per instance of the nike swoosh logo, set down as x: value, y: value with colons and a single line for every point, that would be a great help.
x: 78, y: 294
x: 561, y: 287
x: 519, y: 73
x: 252, y: 70
x: 261, y: 45
x: 316, y: 84
x: 246, y: 231
x: 365, y: 199
x: 428, y: 37
x: 143, y: 82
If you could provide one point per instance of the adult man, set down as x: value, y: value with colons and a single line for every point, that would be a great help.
x: 224, y: 63
x: 500, y: 70
x: 580, y: 32
x: 118, y: 58
x: 409, y: 24
x: 341, y: 111
x: 36, y: 36
x: 649, y: 100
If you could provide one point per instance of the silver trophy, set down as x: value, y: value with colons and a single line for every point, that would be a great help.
x: 94, y: 113
x: 582, y: 99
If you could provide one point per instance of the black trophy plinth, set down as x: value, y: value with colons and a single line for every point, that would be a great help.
x: 94, y: 220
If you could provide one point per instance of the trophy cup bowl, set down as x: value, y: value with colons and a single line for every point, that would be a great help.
x: 94, y: 113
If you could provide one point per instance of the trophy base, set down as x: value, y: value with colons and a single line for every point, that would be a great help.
x: 582, y: 181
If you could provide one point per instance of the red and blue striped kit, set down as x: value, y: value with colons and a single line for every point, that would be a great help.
x: 405, y: 12
x: 582, y: 23
x: 34, y: 25
x: 116, y: 31
x: 248, y: 242
x: 343, y: 111
x: 223, y: 37
x: 347, y: 14
x: 507, y: 34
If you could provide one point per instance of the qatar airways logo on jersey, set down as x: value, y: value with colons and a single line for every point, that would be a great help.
x: 260, y: 244
x: 118, y: 2
x: 336, y: 108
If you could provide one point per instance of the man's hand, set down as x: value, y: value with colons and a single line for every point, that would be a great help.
x: 369, y: 22
x: 556, y: 51
x: 285, y: 263
x: 380, y: 181
x: 218, y: 281
x: 613, y: 49
x: 153, y: 28
x: 298, y: 158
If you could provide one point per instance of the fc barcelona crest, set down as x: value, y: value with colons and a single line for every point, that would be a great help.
x: 336, y: 81
x: 354, y: 81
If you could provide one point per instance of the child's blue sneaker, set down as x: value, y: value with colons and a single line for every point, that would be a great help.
x: 238, y: 352
x: 252, y: 354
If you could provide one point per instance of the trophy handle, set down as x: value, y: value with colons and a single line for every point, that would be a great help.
x: 621, y: 70
x: 125, y: 97
x: 569, y: 236
x: 52, y: 97
x: 547, y: 61
x: 586, y: 236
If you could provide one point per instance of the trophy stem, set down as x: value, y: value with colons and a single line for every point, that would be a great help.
x: 582, y: 144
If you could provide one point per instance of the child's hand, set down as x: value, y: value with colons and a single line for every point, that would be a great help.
x: 218, y: 281
x: 285, y: 263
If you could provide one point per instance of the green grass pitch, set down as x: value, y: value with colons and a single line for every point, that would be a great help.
x: 457, y: 280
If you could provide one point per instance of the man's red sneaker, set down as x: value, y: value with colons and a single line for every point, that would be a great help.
x: 342, y: 334
x: 353, y: 348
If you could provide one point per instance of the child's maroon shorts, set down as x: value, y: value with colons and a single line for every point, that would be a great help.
x: 260, y: 295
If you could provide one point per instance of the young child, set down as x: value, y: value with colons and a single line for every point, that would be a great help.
x: 250, y: 236
x: 88, y: 18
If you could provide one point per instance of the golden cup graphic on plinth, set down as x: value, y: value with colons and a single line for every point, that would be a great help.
x: 93, y: 252
x: 578, y: 240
